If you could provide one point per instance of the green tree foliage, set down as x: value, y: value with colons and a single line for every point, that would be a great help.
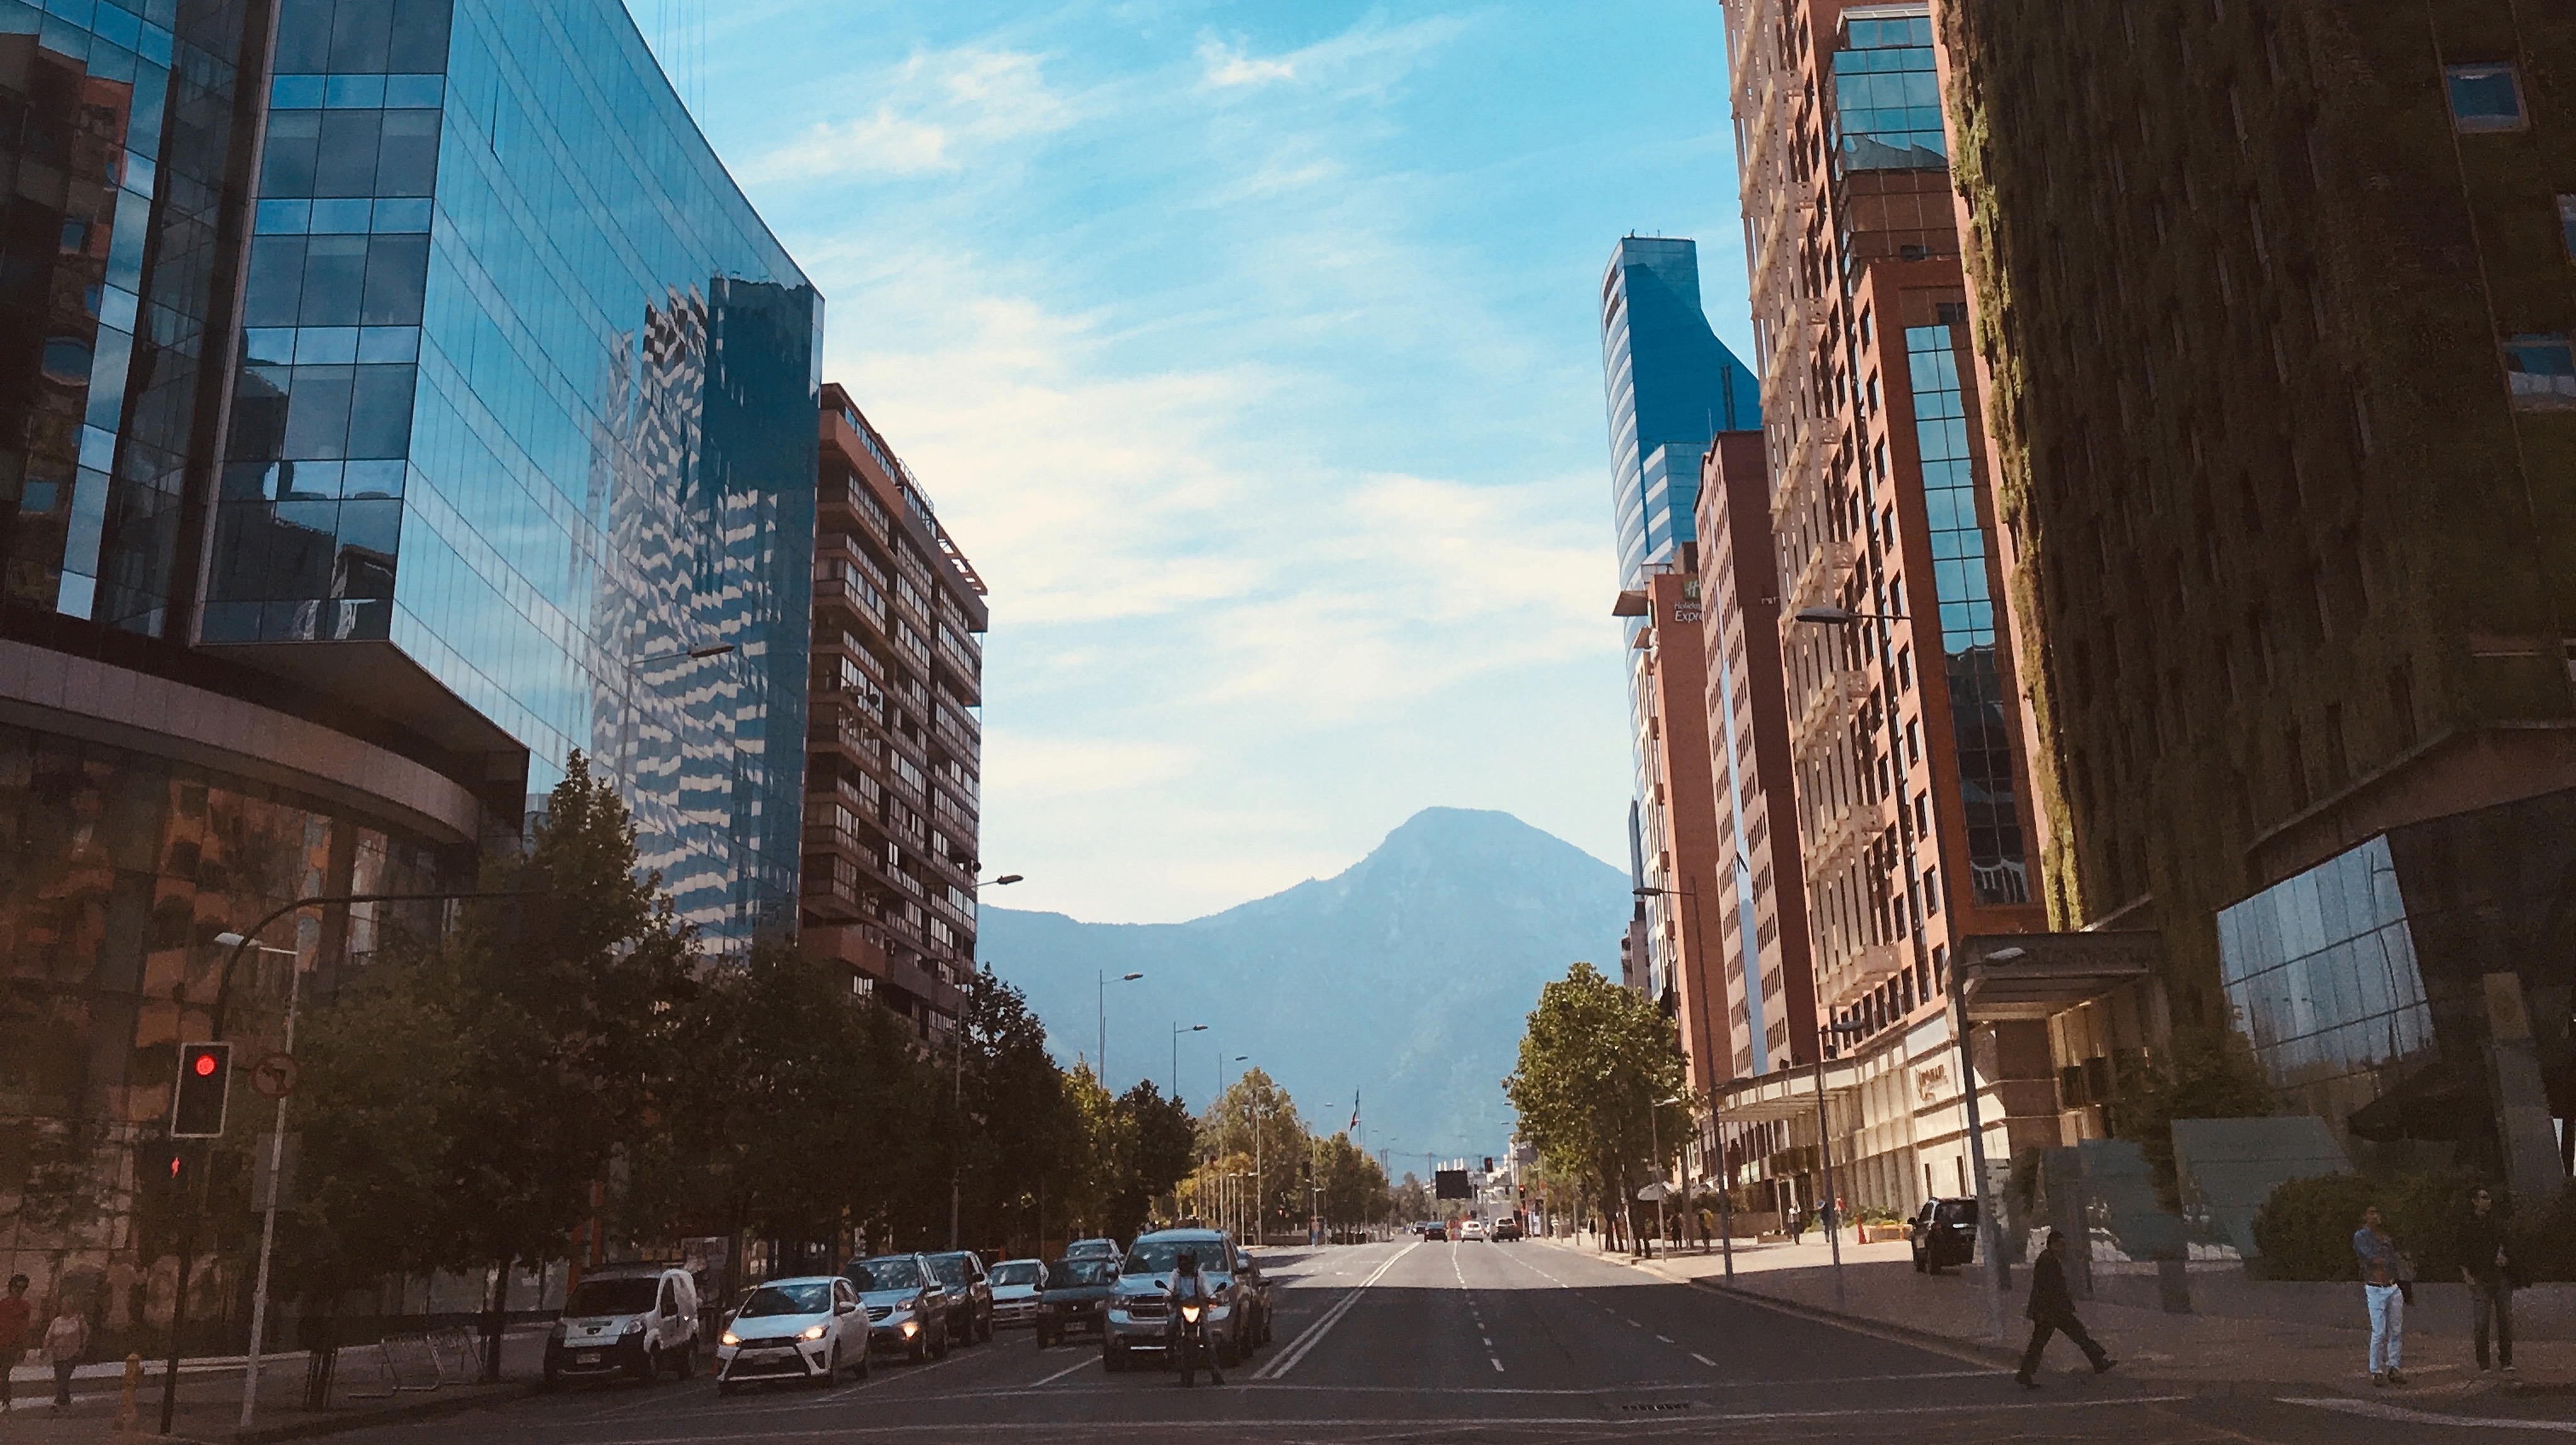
x: 2210, y: 1073
x: 1411, y: 1200
x: 1354, y: 1189
x: 1594, y: 1064
x: 2305, y: 1229
x: 1254, y: 1127
x: 1021, y: 1132
x: 1162, y: 1141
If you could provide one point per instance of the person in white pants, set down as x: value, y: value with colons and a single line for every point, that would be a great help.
x: 2382, y: 1270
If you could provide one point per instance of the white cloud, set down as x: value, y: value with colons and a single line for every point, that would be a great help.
x: 1227, y: 66
x: 938, y: 112
x: 1367, y: 56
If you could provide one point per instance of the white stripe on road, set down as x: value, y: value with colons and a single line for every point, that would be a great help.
x: 2372, y: 1409
x: 1067, y: 1370
x: 1314, y: 1333
x: 1703, y: 1359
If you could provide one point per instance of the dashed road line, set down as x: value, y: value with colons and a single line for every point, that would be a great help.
x: 2374, y: 1410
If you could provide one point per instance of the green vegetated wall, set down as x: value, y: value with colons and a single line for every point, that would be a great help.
x: 2276, y: 522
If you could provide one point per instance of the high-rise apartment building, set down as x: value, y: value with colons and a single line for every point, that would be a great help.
x: 395, y: 396
x: 896, y: 741
x: 1762, y: 937
x: 2283, y: 450
x: 1671, y: 386
x: 1902, y: 722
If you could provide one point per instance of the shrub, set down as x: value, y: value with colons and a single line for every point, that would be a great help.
x: 2305, y: 1229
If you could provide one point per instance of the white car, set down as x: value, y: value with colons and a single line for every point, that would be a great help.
x: 1471, y: 1229
x: 794, y: 1329
x: 634, y: 1320
x: 1017, y: 1283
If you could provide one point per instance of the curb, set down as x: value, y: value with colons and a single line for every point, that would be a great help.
x: 337, y: 1423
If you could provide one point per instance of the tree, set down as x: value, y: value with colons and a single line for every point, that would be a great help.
x: 1255, y: 1119
x: 1162, y: 1144
x: 2208, y: 1073
x: 571, y: 991
x: 1410, y: 1200
x: 1595, y: 1064
x: 1019, y: 1129
x: 1354, y: 1187
x: 1106, y: 1138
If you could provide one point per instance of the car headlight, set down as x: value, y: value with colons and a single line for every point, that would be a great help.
x: 911, y: 1328
x: 728, y: 1338
x: 814, y: 1332
x: 633, y: 1327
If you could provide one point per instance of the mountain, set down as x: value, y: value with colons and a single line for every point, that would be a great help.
x: 1407, y: 977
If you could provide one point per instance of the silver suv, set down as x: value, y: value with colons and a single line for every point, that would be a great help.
x: 1140, y: 1313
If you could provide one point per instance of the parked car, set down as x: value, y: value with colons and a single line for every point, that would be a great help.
x: 1140, y: 1310
x: 1472, y: 1229
x: 1076, y: 1298
x: 636, y: 1320
x: 1252, y: 1289
x: 970, y: 1294
x: 1017, y: 1284
x: 1507, y: 1229
x: 1944, y: 1233
x: 907, y: 1306
x: 1094, y: 1249
x: 809, y: 1328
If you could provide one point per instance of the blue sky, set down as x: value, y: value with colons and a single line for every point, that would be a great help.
x: 1251, y: 352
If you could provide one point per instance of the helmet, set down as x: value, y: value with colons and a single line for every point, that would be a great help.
x: 1188, y: 1263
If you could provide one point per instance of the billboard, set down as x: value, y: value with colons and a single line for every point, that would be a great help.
x: 1450, y: 1184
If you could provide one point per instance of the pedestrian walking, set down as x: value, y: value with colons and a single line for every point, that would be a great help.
x: 2383, y: 1292
x: 2487, y: 1265
x: 66, y: 1341
x: 2052, y: 1311
x: 17, y: 1317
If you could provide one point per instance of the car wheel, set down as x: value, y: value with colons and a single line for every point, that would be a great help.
x: 1046, y: 1339
x: 984, y: 1331
x: 1921, y: 1265
x: 831, y: 1369
x: 684, y: 1360
x: 940, y: 1350
x: 651, y: 1366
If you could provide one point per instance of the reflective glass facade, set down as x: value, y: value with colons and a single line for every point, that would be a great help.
x: 1887, y: 96
x: 528, y: 391
x: 1997, y: 868
x: 2321, y: 973
x: 115, y: 125
x: 1672, y: 385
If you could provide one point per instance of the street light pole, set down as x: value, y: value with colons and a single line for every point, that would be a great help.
x: 1177, y: 1031
x: 1100, y: 1000
x: 957, y: 1090
x: 276, y: 1164
x: 1989, y: 1228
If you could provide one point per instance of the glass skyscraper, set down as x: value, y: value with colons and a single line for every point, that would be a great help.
x: 395, y: 396
x: 1672, y: 386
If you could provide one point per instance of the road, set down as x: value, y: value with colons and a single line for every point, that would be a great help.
x: 1463, y: 1342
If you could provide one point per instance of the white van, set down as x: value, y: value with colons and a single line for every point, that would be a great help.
x: 635, y: 1319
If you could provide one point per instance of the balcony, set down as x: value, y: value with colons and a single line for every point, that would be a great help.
x: 840, y: 507
x: 850, y: 595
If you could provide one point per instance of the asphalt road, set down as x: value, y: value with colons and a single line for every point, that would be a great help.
x: 1464, y: 1342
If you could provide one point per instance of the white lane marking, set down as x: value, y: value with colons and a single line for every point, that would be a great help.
x: 2372, y: 1409
x: 1667, y: 1339
x: 1497, y: 1364
x: 1067, y: 1370
x: 1703, y: 1359
x: 1314, y: 1333
x: 1061, y: 1428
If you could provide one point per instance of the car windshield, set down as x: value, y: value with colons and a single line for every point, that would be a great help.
x: 1955, y: 1211
x: 1071, y: 1272
x: 788, y: 1299
x: 1016, y: 1271
x: 899, y: 1272
x: 1158, y: 1256
x: 951, y: 1269
x: 611, y: 1297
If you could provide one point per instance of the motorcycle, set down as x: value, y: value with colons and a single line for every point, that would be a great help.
x: 1189, y: 1341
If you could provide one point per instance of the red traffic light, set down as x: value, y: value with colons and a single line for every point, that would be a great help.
x: 205, y: 1066
x: 197, y: 1104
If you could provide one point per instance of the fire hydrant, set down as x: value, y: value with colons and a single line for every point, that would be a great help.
x: 127, y: 1417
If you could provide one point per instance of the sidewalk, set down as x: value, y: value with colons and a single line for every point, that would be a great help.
x: 210, y: 1393
x: 2202, y: 1352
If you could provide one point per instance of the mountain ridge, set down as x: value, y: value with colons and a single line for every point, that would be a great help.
x: 1405, y: 977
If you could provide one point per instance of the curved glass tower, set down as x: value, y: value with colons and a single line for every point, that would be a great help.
x: 1672, y: 386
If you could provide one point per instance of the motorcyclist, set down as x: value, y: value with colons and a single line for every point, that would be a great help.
x: 1189, y: 1288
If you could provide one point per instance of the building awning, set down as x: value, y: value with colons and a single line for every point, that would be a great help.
x: 2035, y: 976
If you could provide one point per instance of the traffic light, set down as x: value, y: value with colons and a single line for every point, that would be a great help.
x: 205, y: 1079
x: 1489, y: 1163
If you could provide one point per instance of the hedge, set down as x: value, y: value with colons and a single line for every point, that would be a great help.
x: 2305, y: 1229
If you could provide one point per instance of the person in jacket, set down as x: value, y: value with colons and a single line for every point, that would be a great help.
x: 2052, y: 1311
x: 2487, y: 1266
x: 17, y: 1317
x: 1190, y: 1287
x: 66, y: 1340
x: 2383, y: 1270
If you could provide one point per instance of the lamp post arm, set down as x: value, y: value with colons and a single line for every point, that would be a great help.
x: 224, y: 982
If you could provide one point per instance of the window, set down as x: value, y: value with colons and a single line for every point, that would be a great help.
x: 2541, y: 371
x: 2484, y: 97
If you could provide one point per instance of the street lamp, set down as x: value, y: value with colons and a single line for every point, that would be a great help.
x: 1989, y: 1228
x: 1825, y: 1152
x: 1177, y: 1031
x: 1655, y: 1142
x: 1100, y: 1002
x: 276, y: 1162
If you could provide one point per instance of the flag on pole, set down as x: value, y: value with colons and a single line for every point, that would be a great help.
x: 1355, y: 1110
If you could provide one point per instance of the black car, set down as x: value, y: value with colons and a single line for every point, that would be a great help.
x: 1432, y: 1229
x: 1252, y: 1293
x: 1077, y: 1291
x: 1945, y: 1233
x: 970, y: 1297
